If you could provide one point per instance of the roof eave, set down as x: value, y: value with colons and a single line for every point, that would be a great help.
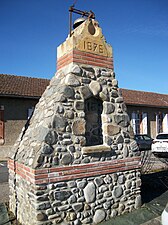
x: 19, y: 96
x: 146, y: 105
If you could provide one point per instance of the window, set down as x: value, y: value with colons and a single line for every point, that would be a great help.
x: 161, y: 122
x: 162, y: 136
x: 30, y: 112
x: 1, y: 122
x: 139, y: 122
x: 93, y: 111
x: 165, y: 122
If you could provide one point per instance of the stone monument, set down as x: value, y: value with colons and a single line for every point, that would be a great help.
x: 76, y: 162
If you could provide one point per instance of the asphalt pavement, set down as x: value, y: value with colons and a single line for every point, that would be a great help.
x: 3, y: 172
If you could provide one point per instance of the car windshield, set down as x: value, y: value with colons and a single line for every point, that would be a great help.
x: 147, y: 137
x: 162, y: 136
x: 138, y: 137
x: 142, y: 137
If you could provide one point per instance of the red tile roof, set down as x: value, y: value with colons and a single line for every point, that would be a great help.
x: 20, y: 86
x: 143, y: 98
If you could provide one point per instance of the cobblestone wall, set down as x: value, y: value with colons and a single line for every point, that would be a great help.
x: 56, y: 133
x: 81, y: 201
x: 58, y: 174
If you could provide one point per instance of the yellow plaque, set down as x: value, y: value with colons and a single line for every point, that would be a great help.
x: 92, y: 46
x: 87, y: 37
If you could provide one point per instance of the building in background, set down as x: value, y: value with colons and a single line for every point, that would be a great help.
x: 148, y: 111
x: 18, y: 96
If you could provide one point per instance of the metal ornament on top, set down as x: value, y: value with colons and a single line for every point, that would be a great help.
x: 89, y: 15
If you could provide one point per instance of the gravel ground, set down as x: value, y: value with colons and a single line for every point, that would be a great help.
x: 4, y: 192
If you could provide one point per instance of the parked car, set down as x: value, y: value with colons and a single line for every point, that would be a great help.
x: 160, y: 145
x: 164, y: 216
x: 144, y: 141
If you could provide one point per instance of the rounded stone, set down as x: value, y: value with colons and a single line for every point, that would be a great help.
x: 81, y: 184
x: 119, y: 100
x: 71, y: 184
x: 51, y: 138
x: 119, y: 139
x: 107, y: 205
x: 77, y: 206
x: 71, y: 148
x: 72, y: 199
x: 118, y: 191
x: 59, y: 123
x: 70, y: 216
x: 115, y: 82
x: 120, y: 146
x: 134, y: 146
x: 138, y: 201
x: 85, y: 92
x: 125, y: 151
x: 41, y: 217
x: 67, y: 91
x: 79, y: 105
x: 122, y: 120
x: 86, y: 160
x: 121, y: 208
x: 106, y: 73
x: 95, y: 87
x: 71, y: 80
x: 90, y: 192
x: 121, y: 179
x: 108, y: 107
x: 103, y: 188
x: 98, y: 181
x: 47, y: 149
x: 66, y: 159
x: 78, y: 127
x: 77, y: 222
x: 111, y: 129
x: 103, y: 96
x: 114, y: 94
x: 108, y: 179
x: 107, y: 194
x: 69, y: 114
x: 114, y: 213
x: 128, y: 184
x: 62, y: 195
x: 99, y: 216
x: 76, y: 70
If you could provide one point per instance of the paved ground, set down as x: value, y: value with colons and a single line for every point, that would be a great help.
x: 3, y: 172
x: 4, y: 192
x: 4, y: 188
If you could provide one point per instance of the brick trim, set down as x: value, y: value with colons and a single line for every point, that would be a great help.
x: 64, y: 173
x: 84, y: 58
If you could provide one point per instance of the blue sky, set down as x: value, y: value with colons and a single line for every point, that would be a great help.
x: 31, y: 30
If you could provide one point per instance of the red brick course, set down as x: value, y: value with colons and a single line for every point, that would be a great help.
x: 85, y: 58
x: 44, y: 176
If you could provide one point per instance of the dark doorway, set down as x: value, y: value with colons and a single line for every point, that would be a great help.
x: 93, y: 111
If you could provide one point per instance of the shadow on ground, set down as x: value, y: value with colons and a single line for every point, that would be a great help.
x: 153, y: 185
